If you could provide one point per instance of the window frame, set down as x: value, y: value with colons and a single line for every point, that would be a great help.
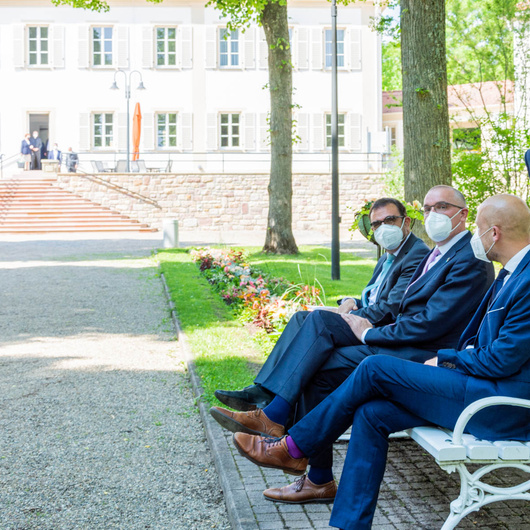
x: 343, y: 124
x: 103, y: 134
x: 229, y: 52
x: 102, y: 51
x: 339, y: 55
x: 230, y: 136
x: 38, y: 51
x: 166, y: 52
x: 167, y: 135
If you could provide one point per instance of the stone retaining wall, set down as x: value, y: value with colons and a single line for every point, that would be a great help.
x: 221, y: 202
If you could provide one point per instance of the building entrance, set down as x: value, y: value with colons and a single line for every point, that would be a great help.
x: 40, y: 123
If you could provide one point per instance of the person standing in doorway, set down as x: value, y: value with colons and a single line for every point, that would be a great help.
x: 25, y: 151
x: 36, y: 146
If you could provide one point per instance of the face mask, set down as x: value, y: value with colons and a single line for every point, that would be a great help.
x: 389, y: 236
x: 478, y: 248
x: 438, y: 226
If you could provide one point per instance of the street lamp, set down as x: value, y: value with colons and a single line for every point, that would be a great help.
x: 335, y: 218
x: 141, y: 86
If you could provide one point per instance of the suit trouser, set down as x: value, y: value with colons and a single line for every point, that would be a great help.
x: 299, y: 355
x: 383, y: 395
x: 35, y: 160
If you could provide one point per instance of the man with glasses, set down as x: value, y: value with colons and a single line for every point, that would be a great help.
x: 403, y: 253
x: 444, y: 292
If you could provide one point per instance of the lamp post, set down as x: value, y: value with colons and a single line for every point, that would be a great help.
x: 335, y: 218
x: 114, y: 86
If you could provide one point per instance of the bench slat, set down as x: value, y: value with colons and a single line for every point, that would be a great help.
x: 480, y: 449
x: 511, y: 450
x: 438, y: 444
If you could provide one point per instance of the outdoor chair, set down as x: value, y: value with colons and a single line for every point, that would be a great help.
x: 121, y: 166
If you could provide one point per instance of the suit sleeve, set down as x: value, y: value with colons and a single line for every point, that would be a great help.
x: 506, y: 354
x: 390, y: 304
x: 455, y: 300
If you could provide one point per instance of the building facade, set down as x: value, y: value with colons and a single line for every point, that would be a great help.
x: 205, y: 105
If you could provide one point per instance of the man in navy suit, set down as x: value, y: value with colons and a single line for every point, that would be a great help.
x: 386, y: 394
x: 440, y: 300
x: 54, y: 154
x: 382, y: 295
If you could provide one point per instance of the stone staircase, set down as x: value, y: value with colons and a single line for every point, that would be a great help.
x: 33, y: 204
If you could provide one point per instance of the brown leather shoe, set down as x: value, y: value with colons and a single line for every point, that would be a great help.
x: 269, y: 452
x: 253, y: 422
x: 303, y: 491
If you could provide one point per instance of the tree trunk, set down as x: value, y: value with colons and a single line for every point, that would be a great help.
x: 427, y: 150
x: 279, y: 239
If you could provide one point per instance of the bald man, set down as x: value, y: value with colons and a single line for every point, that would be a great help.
x: 387, y: 394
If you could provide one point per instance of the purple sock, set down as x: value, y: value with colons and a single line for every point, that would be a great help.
x: 292, y: 448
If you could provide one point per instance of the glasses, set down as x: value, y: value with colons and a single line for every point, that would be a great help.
x: 390, y: 220
x: 440, y: 207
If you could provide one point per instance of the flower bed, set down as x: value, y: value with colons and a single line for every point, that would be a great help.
x: 256, y: 297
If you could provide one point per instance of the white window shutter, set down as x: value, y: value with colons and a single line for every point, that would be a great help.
x: 249, y: 53
x: 122, y: 132
x: 318, y: 132
x: 57, y: 41
x: 148, y: 134
x: 263, y: 50
x: 83, y: 47
x: 211, y: 132
x: 355, y: 48
x: 186, y: 132
x: 355, y: 131
x: 302, y: 48
x: 148, y: 36
x: 264, y: 137
x: 210, y: 59
x: 302, y: 131
x: 122, y: 40
x: 84, y: 131
x: 317, y: 36
x: 19, y: 46
x: 250, y: 132
x: 186, y: 46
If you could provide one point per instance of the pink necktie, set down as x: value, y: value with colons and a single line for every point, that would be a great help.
x: 435, y: 253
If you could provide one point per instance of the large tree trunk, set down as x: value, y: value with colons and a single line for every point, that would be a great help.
x: 279, y: 239
x: 427, y: 150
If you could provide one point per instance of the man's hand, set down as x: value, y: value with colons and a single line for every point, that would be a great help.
x: 432, y: 362
x: 357, y: 324
x: 347, y: 306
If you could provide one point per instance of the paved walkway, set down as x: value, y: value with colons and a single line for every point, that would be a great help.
x: 98, y: 423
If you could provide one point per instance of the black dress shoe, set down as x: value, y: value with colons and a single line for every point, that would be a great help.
x: 250, y: 398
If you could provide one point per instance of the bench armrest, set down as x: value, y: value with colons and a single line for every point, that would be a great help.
x: 480, y: 404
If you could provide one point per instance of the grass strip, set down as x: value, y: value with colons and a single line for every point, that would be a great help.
x: 224, y: 351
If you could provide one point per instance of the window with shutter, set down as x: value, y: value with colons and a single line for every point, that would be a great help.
x: 102, y: 129
x: 166, y: 130
x: 38, y: 46
x: 229, y: 52
x: 166, y: 47
x: 101, y: 45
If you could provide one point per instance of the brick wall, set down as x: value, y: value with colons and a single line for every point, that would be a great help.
x: 221, y: 202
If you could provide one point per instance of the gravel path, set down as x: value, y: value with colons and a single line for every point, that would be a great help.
x: 98, y: 425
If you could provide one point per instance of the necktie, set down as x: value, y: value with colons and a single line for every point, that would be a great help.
x: 497, y: 286
x: 384, y: 271
x: 434, y: 254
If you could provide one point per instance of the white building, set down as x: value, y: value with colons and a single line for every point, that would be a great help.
x: 205, y: 105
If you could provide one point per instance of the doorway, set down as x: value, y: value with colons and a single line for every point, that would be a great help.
x: 40, y: 123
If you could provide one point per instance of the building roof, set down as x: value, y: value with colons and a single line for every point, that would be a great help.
x: 488, y: 94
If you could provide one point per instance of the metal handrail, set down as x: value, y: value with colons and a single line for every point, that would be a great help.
x: 118, y: 188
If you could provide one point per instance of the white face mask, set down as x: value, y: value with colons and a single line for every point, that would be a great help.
x: 478, y: 248
x: 389, y: 236
x: 438, y: 226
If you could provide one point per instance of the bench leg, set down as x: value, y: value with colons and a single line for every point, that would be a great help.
x: 474, y: 493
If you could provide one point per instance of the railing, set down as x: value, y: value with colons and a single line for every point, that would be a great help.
x: 6, y: 161
x: 118, y: 188
x: 241, y: 162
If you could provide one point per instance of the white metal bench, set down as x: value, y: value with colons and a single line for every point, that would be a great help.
x: 454, y: 451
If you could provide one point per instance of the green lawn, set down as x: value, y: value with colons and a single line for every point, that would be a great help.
x: 225, y: 353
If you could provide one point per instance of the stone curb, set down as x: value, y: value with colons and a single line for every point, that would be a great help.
x: 237, y: 502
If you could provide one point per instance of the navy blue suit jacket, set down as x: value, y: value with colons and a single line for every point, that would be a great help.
x: 393, y: 287
x: 499, y: 362
x: 436, y: 309
x: 24, y: 148
x: 51, y: 157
